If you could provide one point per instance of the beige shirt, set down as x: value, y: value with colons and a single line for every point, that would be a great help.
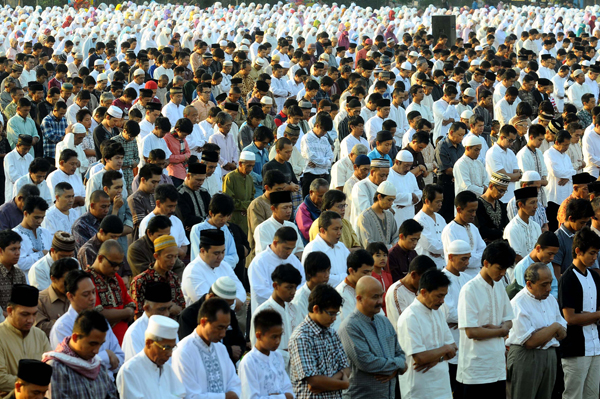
x: 50, y: 308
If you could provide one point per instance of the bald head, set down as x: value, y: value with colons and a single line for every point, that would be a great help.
x: 369, y: 296
x: 367, y: 285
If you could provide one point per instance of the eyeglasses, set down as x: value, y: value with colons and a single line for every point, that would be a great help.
x: 331, y: 314
x: 166, y: 347
x: 115, y: 265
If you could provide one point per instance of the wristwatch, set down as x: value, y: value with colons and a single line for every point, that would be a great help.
x: 441, y: 359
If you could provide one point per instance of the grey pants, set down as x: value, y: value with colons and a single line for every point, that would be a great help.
x: 531, y: 372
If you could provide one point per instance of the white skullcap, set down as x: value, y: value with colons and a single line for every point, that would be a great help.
x: 471, y: 140
x: 405, y: 156
x: 115, y: 111
x: 259, y: 61
x: 387, y: 188
x: 98, y: 62
x: 458, y: 247
x: 470, y: 92
x: 531, y: 175
x: 138, y: 72
x: 227, y: 63
x: 224, y: 288
x: 478, y: 48
x: 585, y: 63
x: 247, y: 156
x: 162, y: 327
x: 223, y: 43
x: 475, y: 63
x: 246, y: 42
x: 466, y: 114
x: 243, y: 47
x: 102, y: 76
x: 266, y: 100
x: 406, y: 65
x: 413, y: 54
x: 78, y: 128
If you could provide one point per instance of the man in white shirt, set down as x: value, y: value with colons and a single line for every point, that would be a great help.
x: 81, y: 102
x: 153, y: 363
x: 501, y: 159
x: 155, y: 139
x: 469, y: 172
x: 418, y: 94
x: 578, y: 89
x: 203, y: 271
x: 506, y: 108
x: 38, y: 170
x: 360, y: 264
x: 531, y: 159
x: 560, y: 173
x: 374, y: 124
x: 427, y: 341
x: 591, y: 149
x: 408, y: 192
x: 315, y: 148
x: 174, y: 110
x: 522, y: 231
x: 364, y: 191
x: 433, y: 223
x: 63, y: 246
x: 343, y: 169
x: 444, y: 113
x: 462, y: 228
x: 328, y: 241
x: 16, y: 164
x: 201, y: 361
x: 508, y: 79
x: 537, y: 328
x: 484, y: 319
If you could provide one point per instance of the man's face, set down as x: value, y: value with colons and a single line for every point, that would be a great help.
x: 317, y: 196
x: 115, y: 189
x: 246, y: 167
x: 30, y: 391
x: 35, y: 218
x: 530, y: 206
x: 166, y: 207
x: 11, y: 254
x: 283, y: 249
x: 100, y: 208
x: 362, y: 171
x: 166, y: 258
x: 22, y: 317
x: 115, y: 163
x: 88, y: 347
x: 333, y: 232
x: 546, y: 255
x: 213, y: 256
x: 379, y: 175
x: 110, y: 263
x: 215, y: 331
x: 494, y: 271
x: 541, y: 288
x: 467, y: 215
x: 434, y: 299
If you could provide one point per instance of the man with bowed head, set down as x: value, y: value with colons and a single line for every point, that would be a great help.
x: 33, y: 379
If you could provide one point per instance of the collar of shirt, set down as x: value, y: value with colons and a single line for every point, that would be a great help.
x: 315, y: 328
x: 54, y: 296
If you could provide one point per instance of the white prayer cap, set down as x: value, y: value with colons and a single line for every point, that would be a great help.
x: 585, y: 63
x: 162, y: 327
x: 577, y: 73
x: 458, y: 247
x: 259, y: 61
x: 223, y: 43
x: 246, y: 42
x: 478, y: 48
x: 243, y: 47
x: 102, y: 76
x: 98, y: 62
x: 475, y: 63
x: 471, y: 141
x: 115, y: 112
x: 227, y: 63
x: 413, y: 54
x: 266, y: 100
x: 407, y: 66
x: 78, y: 128
x: 470, y: 92
x: 531, y: 175
x: 405, y: 156
x: 224, y: 288
x: 138, y: 72
x: 285, y: 64
x: 387, y: 188
x: 466, y: 114
x: 247, y: 156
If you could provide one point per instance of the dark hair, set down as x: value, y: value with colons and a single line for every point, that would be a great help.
x: 111, y: 224
x: 433, y: 279
x: 110, y: 176
x: 286, y: 273
x: 325, y: 297
x: 331, y: 198
x: 63, y: 266
x: 358, y: 258
x: 33, y: 203
x: 327, y: 218
x: 578, y: 209
x: 375, y: 247
x: 536, y: 130
x: 8, y: 237
x: 584, y: 240
x: 267, y: 319
x: 221, y: 204
x: 211, y: 307
x: 39, y: 165
x: 67, y: 154
x: 89, y: 320
x: 421, y: 264
x: 158, y: 222
x: 166, y: 192
x: 148, y: 170
x: 324, y: 121
x: 274, y: 176
x: 463, y: 198
x: 97, y: 196
x: 73, y: 278
x: 315, y: 262
x: 410, y: 227
x: 286, y: 234
x: 263, y: 133
x: 430, y: 192
x: 112, y: 149
x: 499, y: 252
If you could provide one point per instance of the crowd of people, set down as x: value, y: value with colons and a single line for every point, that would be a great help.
x: 317, y: 202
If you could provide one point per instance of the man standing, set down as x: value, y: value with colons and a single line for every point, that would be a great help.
x: 141, y: 202
x: 315, y: 148
x: 373, y: 368
x: 193, y: 199
x: 153, y: 363
x: 484, y: 319
x: 522, y: 231
x: 63, y: 246
x: 469, y: 172
x: 433, y: 223
x: 19, y: 338
x: 240, y: 186
x: 408, y: 192
x: 537, y: 329
x: 317, y: 357
x: 501, y: 159
x: 201, y: 362
x: 546, y: 247
x: 447, y: 152
x: 364, y: 191
x: 560, y: 174
x: 427, y: 341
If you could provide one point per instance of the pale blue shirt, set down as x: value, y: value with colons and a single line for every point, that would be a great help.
x: 231, y: 256
x: 522, y: 266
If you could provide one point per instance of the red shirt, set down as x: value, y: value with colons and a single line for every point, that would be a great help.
x: 385, y: 278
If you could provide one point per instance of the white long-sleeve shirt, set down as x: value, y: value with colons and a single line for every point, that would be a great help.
x: 504, y: 112
x: 500, y: 159
x: 280, y: 90
x: 559, y: 167
x: 451, y: 303
x: 27, y: 255
x: 198, y: 277
x: 522, y: 236
x: 15, y: 167
x: 576, y: 91
x: 362, y: 196
x: 454, y: 231
x: 406, y: 185
x: 591, y: 152
x: 430, y: 243
x: 173, y: 112
x: 318, y: 151
x: 426, y: 113
x: 337, y: 256
x: 373, y: 126
x: 398, y: 115
x: 470, y: 175
x: 443, y: 111
x: 264, y: 376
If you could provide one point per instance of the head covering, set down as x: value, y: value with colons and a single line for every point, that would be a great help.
x: 162, y: 327
x: 232, y: 106
x: 247, y: 156
x: 34, y: 372
x: 387, y: 188
x: 582, y: 178
x: 164, y: 242
x: 471, y: 140
x: 280, y: 197
x: 362, y: 160
x: 405, y: 156
x: 210, y: 156
x: 500, y: 179
x: 139, y: 72
x: 531, y: 175
x: 78, y: 128
x: 304, y: 104
x: 24, y: 295
x: 266, y: 100
x: 115, y: 111
x: 25, y: 139
x: 197, y: 169
x: 261, y: 85
x: 224, y: 288
x: 212, y: 237
x: 458, y: 247
x: 526, y: 192
x: 158, y: 291
x: 384, y: 135
x: 102, y: 76
x: 466, y: 114
x: 63, y: 241
x: 152, y: 85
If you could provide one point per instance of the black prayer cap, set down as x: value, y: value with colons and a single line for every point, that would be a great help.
x: 210, y: 156
x: 212, y: 237
x: 145, y: 92
x: 34, y: 372
x: 232, y: 106
x: 152, y: 106
x: 280, y: 197
x: 261, y: 85
x: 236, y: 80
x: 384, y: 102
x: 197, y: 169
x: 159, y: 292
x: 384, y: 135
x: 526, y: 192
x: 221, y: 97
x: 582, y: 178
x: 25, y: 139
x: 24, y: 295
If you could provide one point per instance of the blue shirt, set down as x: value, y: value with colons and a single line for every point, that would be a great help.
x: 262, y: 157
x: 231, y: 256
x: 377, y: 155
x: 522, y: 266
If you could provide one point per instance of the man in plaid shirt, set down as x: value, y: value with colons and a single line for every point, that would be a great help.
x: 127, y: 138
x: 53, y: 128
x: 319, y: 366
